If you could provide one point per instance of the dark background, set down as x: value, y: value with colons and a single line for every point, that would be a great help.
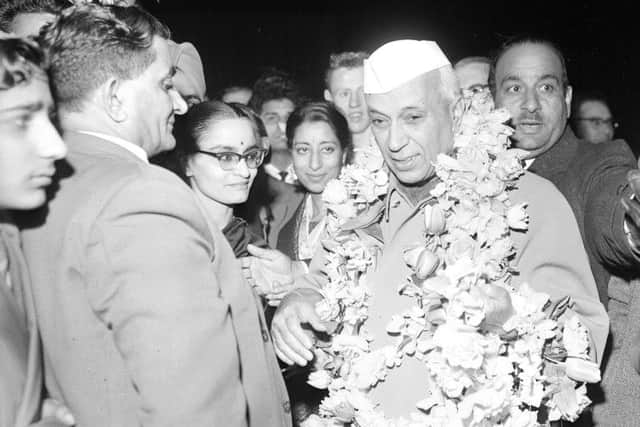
x: 600, y: 40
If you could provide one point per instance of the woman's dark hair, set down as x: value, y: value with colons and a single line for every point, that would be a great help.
x: 193, y: 126
x: 20, y: 61
x: 321, y: 111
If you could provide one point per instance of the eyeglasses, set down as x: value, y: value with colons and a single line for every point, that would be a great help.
x: 597, y: 121
x: 229, y: 160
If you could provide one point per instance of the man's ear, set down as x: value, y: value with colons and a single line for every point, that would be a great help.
x: 327, y: 95
x: 568, y: 95
x: 113, y: 96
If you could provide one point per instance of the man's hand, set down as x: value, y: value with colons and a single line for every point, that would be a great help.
x: 293, y: 325
x: 632, y: 209
x: 271, y: 271
x: 497, y: 306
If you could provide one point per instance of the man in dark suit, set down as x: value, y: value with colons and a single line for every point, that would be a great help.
x: 144, y: 314
x: 529, y: 78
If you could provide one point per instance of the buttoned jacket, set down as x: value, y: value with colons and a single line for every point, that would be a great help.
x: 144, y: 316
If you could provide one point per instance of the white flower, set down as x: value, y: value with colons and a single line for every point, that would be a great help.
x: 575, y: 337
x: 319, y: 379
x: 335, y: 192
x: 461, y: 345
x: 434, y: 219
x: 582, y: 370
x: 568, y: 402
x: 517, y: 217
x: 367, y: 370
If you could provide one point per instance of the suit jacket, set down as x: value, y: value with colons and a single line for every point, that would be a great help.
x: 592, y: 177
x: 20, y: 358
x: 618, y: 405
x: 144, y: 317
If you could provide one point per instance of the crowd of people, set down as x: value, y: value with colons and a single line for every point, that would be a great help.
x: 163, y: 252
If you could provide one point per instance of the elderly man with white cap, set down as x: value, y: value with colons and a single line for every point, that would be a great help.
x: 411, y: 92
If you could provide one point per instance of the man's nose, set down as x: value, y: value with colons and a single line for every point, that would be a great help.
x: 354, y: 100
x: 397, y: 137
x: 50, y: 144
x: 531, y: 101
x: 179, y: 104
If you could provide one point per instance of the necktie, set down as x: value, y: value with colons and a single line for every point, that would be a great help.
x: 283, y: 175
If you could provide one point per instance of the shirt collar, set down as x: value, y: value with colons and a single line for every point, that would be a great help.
x: 129, y: 146
x: 527, y: 163
x: 393, y: 190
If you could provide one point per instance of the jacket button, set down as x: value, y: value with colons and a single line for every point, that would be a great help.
x: 286, y: 406
x: 265, y: 335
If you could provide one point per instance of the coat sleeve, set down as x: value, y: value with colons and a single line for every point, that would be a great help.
x: 604, y: 213
x: 153, y: 285
x: 552, y: 257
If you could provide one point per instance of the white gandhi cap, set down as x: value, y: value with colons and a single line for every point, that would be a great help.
x: 399, y: 61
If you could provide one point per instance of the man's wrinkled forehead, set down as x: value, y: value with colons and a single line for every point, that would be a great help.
x: 529, y: 61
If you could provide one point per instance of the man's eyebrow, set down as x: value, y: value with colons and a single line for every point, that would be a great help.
x: 373, y: 110
x: 550, y: 77
x: 510, y: 78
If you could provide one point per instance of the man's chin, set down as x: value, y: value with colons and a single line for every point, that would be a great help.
x: 527, y: 142
x: 360, y: 127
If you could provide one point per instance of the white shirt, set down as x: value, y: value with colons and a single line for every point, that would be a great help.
x: 129, y: 146
x: 527, y: 163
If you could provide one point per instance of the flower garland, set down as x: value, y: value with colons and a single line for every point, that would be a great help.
x: 531, y: 370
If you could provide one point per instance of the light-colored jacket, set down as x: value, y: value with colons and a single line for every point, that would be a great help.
x: 20, y: 360
x: 144, y: 315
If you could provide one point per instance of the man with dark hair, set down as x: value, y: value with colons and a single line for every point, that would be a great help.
x: 591, y: 117
x: 529, y: 79
x: 144, y: 314
x: 26, y: 17
x: 275, y: 95
x: 344, y: 82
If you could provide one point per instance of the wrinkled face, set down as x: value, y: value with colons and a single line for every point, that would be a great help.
x: 29, y: 24
x: 594, y: 122
x: 346, y: 92
x: 29, y: 144
x: 529, y: 85
x: 225, y: 187
x: 412, y: 124
x: 151, y: 103
x: 473, y: 76
x: 274, y: 114
x: 241, y: 96
x: 317, y: 155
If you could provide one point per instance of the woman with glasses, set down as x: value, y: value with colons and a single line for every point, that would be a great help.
x: 218, y: 151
